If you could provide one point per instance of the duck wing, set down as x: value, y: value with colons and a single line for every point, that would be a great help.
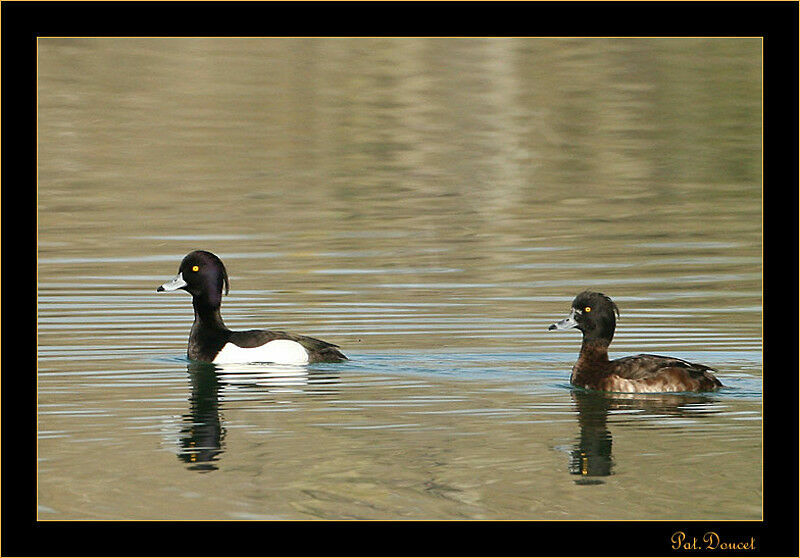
x: 645, y: 366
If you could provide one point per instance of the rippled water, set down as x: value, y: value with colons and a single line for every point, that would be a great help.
x: 431, y: 206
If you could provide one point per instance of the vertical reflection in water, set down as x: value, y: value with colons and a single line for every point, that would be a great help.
x: 591, y: 457
x: 202, y: 433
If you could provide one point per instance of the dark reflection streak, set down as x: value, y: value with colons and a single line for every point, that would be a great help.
x: 202, y: 434
x: 592, y: 456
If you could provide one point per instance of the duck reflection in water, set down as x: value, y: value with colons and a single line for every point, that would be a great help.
x: 202, y: 434
x: 591, y: 457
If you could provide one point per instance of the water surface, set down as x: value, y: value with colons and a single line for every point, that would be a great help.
x: 431, y: 206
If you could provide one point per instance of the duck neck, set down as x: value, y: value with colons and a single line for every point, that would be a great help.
x: 594, y: 351
x: 207, y: 313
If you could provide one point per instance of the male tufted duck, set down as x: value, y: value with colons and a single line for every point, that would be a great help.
x: 203, y: 275
x: 594, y: 315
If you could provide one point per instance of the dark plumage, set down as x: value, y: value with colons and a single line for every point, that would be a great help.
x: 594, y: 314
x: 203, y: 275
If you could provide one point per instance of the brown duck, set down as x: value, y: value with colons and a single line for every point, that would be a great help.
x: 595, y: 315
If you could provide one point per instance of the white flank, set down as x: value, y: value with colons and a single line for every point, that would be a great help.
x: 279, y: 351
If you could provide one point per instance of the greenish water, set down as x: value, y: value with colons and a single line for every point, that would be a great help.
x: 431, y: 206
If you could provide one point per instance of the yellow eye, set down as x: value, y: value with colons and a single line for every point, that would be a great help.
x: 587, y: 309
x: 195, y: 267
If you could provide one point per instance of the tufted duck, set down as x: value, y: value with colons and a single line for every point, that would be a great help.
x: 594, y: 315
x: 203, y: 275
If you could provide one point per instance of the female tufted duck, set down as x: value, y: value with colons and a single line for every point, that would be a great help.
x: 203, y: 275
x: 593, y: 314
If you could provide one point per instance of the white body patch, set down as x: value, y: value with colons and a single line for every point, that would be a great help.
x: 279, y: 351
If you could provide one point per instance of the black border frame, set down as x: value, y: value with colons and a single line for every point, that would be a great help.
x: 22, y: 22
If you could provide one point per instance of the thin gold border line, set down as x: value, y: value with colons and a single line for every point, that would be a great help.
x: 409, y: 520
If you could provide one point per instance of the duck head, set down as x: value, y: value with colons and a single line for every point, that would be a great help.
x: 201, y: 274
x: 594, y: 314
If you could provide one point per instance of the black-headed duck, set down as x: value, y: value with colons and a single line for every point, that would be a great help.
x: 203, y: 275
